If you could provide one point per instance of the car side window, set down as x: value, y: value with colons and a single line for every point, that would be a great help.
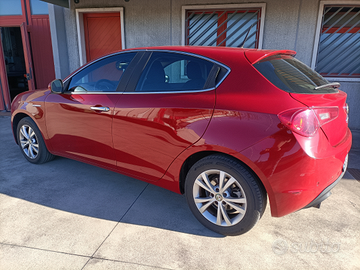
x: 167, y: 72
x: 103, y: 75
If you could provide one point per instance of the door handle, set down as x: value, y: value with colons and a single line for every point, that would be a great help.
x: 103, y: 109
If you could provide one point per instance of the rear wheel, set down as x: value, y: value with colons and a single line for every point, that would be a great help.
x: 224, y: 196
x: 31, y: 142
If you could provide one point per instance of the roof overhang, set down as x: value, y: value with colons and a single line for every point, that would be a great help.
x: 62, y: 3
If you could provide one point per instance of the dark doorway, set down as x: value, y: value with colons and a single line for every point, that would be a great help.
x: 14, y: 60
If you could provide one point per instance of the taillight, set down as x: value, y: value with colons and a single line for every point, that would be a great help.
x: 307, y: 121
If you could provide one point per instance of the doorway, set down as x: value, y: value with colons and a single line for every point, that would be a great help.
x: 25, y: 48
x: 15, y: 67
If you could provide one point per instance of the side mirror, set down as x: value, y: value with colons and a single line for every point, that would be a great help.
x: 56, y: 86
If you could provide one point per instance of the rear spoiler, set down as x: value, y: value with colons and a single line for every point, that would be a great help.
x: 255, y: 56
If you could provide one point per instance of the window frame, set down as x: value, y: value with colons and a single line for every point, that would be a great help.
x: 135, y: 77
x: 125, y: 77
x: 261, y: 6
x: 172, y: 55
x: 318, y: 34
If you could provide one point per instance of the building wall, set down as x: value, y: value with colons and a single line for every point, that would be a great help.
x: 153, y: 23
x: 289, y: 24
x: 352, y: 89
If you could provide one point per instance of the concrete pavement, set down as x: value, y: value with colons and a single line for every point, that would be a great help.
x: 68, y: 215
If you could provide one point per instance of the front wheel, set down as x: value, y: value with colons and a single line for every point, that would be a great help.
x: 223, y: 195
x: 31, y: 142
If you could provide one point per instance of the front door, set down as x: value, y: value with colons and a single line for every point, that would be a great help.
x: 79, y: 121
x: 79, y: 126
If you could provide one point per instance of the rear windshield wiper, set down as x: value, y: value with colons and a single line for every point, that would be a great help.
x: 333, y: 85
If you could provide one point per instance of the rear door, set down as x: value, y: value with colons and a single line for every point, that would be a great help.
x: 166, y: 108
x: 79, y: 121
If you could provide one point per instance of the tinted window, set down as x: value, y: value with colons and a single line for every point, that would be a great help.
x: 103, y: 75
x: 174, y: 72
x: 292, y: 76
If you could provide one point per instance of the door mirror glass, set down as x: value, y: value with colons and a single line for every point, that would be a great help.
x: 57, y: 86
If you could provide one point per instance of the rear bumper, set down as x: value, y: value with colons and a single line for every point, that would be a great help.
x: 327, y: 191
x: 298, y: 172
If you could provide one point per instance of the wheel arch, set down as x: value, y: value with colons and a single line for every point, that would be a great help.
x: 15, y: 121
x: 192, y: 159
x: 16, y: 118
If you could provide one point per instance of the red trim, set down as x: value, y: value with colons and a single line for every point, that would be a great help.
x: 221, y: 32
x: 101, y: 15
x: 27, y: 56
x: 27, y: 10
x: 9, y: 21
x: 340, y: 31
x: 258, y: 27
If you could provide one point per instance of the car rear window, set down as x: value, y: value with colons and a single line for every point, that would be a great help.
x: 291, y: 75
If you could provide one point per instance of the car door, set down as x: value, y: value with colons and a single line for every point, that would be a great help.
x: 165, y: 109
x: 79, y: 121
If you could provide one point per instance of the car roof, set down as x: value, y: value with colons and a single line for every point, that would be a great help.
x: 220, y: 53
x: 226, y: 55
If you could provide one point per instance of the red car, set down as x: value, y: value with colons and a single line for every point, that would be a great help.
x: 227, y: 127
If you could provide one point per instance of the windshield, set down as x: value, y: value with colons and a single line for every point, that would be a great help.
x: 291, y: 75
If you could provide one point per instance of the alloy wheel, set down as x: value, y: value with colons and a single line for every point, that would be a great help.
x: 28, y: 141
x: 219, y: 197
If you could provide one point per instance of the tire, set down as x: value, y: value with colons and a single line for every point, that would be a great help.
x: 31, y: 142
x: 219, y: 180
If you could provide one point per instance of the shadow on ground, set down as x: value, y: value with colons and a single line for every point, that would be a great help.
x: 87, y: 190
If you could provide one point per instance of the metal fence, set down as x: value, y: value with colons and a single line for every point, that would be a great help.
x: 226, y: 27
x: 339, y: 46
